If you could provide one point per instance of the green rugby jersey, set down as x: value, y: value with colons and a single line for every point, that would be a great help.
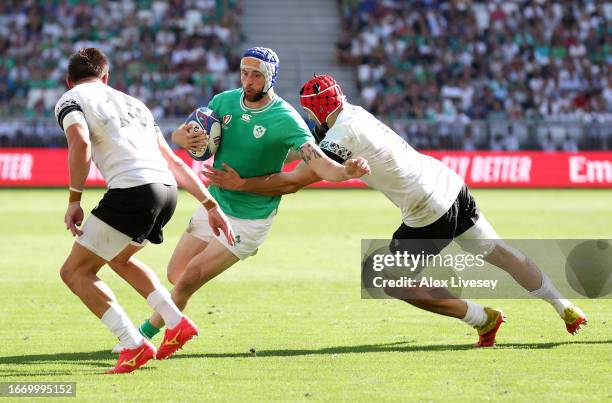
x: 255, y: 142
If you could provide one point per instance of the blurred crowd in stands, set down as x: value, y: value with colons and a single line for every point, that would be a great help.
x: 450, y: 63
x: 170, y: 54
x: 464, y: 74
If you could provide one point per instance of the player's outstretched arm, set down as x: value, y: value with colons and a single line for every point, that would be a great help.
x: 270, y: 185
x: 79, y: 161
x: 329, y: 169
x: 190, y: 182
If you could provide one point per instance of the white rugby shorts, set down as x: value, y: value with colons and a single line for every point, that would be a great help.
x: 104, y: 240
x: 480, y: 238
x: 250, y: 234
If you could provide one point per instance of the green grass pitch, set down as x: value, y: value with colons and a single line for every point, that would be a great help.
x: 297, y: 304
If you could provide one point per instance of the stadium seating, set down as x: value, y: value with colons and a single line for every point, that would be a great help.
x: 455, y: 75
x: 448, y: 63
x: 171, y: 54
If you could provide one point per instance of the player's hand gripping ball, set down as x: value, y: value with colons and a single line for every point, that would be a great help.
x: 205, y: 122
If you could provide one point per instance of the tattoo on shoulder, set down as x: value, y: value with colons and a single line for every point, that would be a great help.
x: 309, y: 152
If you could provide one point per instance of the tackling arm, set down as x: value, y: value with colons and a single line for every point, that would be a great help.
x: 292, y: 155
x: 329, y: 169
x: 269, y: 185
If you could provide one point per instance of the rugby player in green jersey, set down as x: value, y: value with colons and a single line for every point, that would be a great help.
x: 436, y: 205
x: 260, y: 133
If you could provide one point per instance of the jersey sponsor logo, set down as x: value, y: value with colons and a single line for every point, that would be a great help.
x: 337, y: 149
x: 246, y: 117
x: 258, y: 131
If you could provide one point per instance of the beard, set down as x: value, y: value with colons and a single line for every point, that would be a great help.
x: 254, y: 96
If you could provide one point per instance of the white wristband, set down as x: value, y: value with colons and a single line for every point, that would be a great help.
x: 75, y: 190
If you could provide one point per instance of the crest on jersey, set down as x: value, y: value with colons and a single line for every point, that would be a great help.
x: 258, y: 131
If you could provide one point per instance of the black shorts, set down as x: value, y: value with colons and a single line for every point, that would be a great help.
x: 139, y: 212
x: 434, y: 237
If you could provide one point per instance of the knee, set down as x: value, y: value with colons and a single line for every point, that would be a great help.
x: 119, y: 263
x: 117, y: 268
x: 188, y: 281
x: 68, y: 275
x: 183, y: 289
x: 172, y: 277
x: 508, y: 257
x: 174, y: 273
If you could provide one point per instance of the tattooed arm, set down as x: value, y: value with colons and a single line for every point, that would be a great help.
x: 270, y: 185
x: 329, y: 169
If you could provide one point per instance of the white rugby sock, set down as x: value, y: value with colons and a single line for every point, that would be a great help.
x: 161, y: 302
x: 475, y: 315
x: 118, y: 322
x: 549, y: 293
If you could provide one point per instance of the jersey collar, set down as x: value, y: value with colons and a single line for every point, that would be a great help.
x: 257, y: 110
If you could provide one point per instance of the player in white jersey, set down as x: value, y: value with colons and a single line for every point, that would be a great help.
x: 118, y: 133
x: 263, y: 131
x: 436, y: 205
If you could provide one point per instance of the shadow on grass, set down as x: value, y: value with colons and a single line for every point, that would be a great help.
x: 399, y: 347
x: 91, y: 359
x: 78, y: 361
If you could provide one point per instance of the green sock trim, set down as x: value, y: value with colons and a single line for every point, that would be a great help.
x: 148, y: 330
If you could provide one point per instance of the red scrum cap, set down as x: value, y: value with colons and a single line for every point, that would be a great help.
x: 322, y: 96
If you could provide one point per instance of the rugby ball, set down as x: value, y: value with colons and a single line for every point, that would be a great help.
x: 205, y: 122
